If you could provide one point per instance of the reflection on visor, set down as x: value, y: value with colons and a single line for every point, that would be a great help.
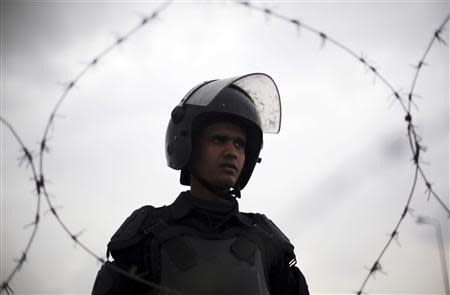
x: 261, y: 89
x: 264, y: 93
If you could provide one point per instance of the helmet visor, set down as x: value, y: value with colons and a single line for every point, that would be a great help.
x: 261, y: 89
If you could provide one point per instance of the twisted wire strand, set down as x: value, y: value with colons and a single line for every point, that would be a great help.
x: 376, y: 265
x: 436, y: 37
x: 413, y: 137
x: 40, y: 180
x: 324, y: 37
x: 28, y: 157
x: 43, y: 147
x: 408, y: 118
x: 397, y: 95
x: 144, y: 21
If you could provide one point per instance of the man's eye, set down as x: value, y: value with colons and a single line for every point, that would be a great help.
x: 218, y: 139
x: 239, y: 144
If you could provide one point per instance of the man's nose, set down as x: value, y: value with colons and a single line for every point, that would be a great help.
x: 231, y: 149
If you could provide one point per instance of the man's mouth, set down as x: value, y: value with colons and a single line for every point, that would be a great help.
x: 231, y: 167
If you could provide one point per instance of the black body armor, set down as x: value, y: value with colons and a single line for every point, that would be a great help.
x: 200, y: 247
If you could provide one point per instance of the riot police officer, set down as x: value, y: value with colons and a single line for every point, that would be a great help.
x: 202, y: 243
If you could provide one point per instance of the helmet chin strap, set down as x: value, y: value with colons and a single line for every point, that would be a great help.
x: 235, y: 191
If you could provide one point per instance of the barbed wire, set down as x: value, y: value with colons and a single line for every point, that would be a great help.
x: 40, y: 182
x: 416, y: 148
x: 28, y: 158
x: 413, y: 137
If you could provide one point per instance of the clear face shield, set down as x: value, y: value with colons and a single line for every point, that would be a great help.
x: 260, y: 87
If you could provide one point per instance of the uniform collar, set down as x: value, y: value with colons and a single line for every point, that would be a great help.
x: 181, y: 206
x: 185, y: 202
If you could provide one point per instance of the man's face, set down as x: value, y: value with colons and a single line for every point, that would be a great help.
x: 219, y: 154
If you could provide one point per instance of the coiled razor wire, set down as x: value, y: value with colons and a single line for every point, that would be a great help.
x: 40, y: 184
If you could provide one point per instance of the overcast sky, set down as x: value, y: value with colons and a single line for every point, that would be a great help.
x: 335, y: 179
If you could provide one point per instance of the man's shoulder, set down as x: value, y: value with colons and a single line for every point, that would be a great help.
x: 262, y: 222
x: 132, y: 229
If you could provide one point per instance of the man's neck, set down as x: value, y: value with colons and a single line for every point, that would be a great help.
x: 198, y: 190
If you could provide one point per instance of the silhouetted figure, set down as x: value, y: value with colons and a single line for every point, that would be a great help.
x: 202, y: 243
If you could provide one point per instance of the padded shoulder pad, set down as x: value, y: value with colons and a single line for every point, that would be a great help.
x: 268, y: 224
x: 127, y: 234
x: 262, y: 222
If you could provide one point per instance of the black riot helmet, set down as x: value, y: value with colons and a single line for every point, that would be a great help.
x: 252, y: 101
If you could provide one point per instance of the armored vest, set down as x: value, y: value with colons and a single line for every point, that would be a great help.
x: 195, y: 263
x: 181, y: 257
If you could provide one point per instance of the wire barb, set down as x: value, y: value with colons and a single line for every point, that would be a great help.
x: 323, y: 38
x: 75, y: 236
x: 429, y: 190
x: 6, y: 287
x: 438, y: 37
x: 394, y: 236
x: 26, y: 157
x: 34, y: 222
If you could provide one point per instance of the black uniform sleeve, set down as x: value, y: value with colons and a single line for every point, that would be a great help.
x: 285, y: 278
x: 111, y: 282
x: 298, y: 283
x: 129, y: 251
